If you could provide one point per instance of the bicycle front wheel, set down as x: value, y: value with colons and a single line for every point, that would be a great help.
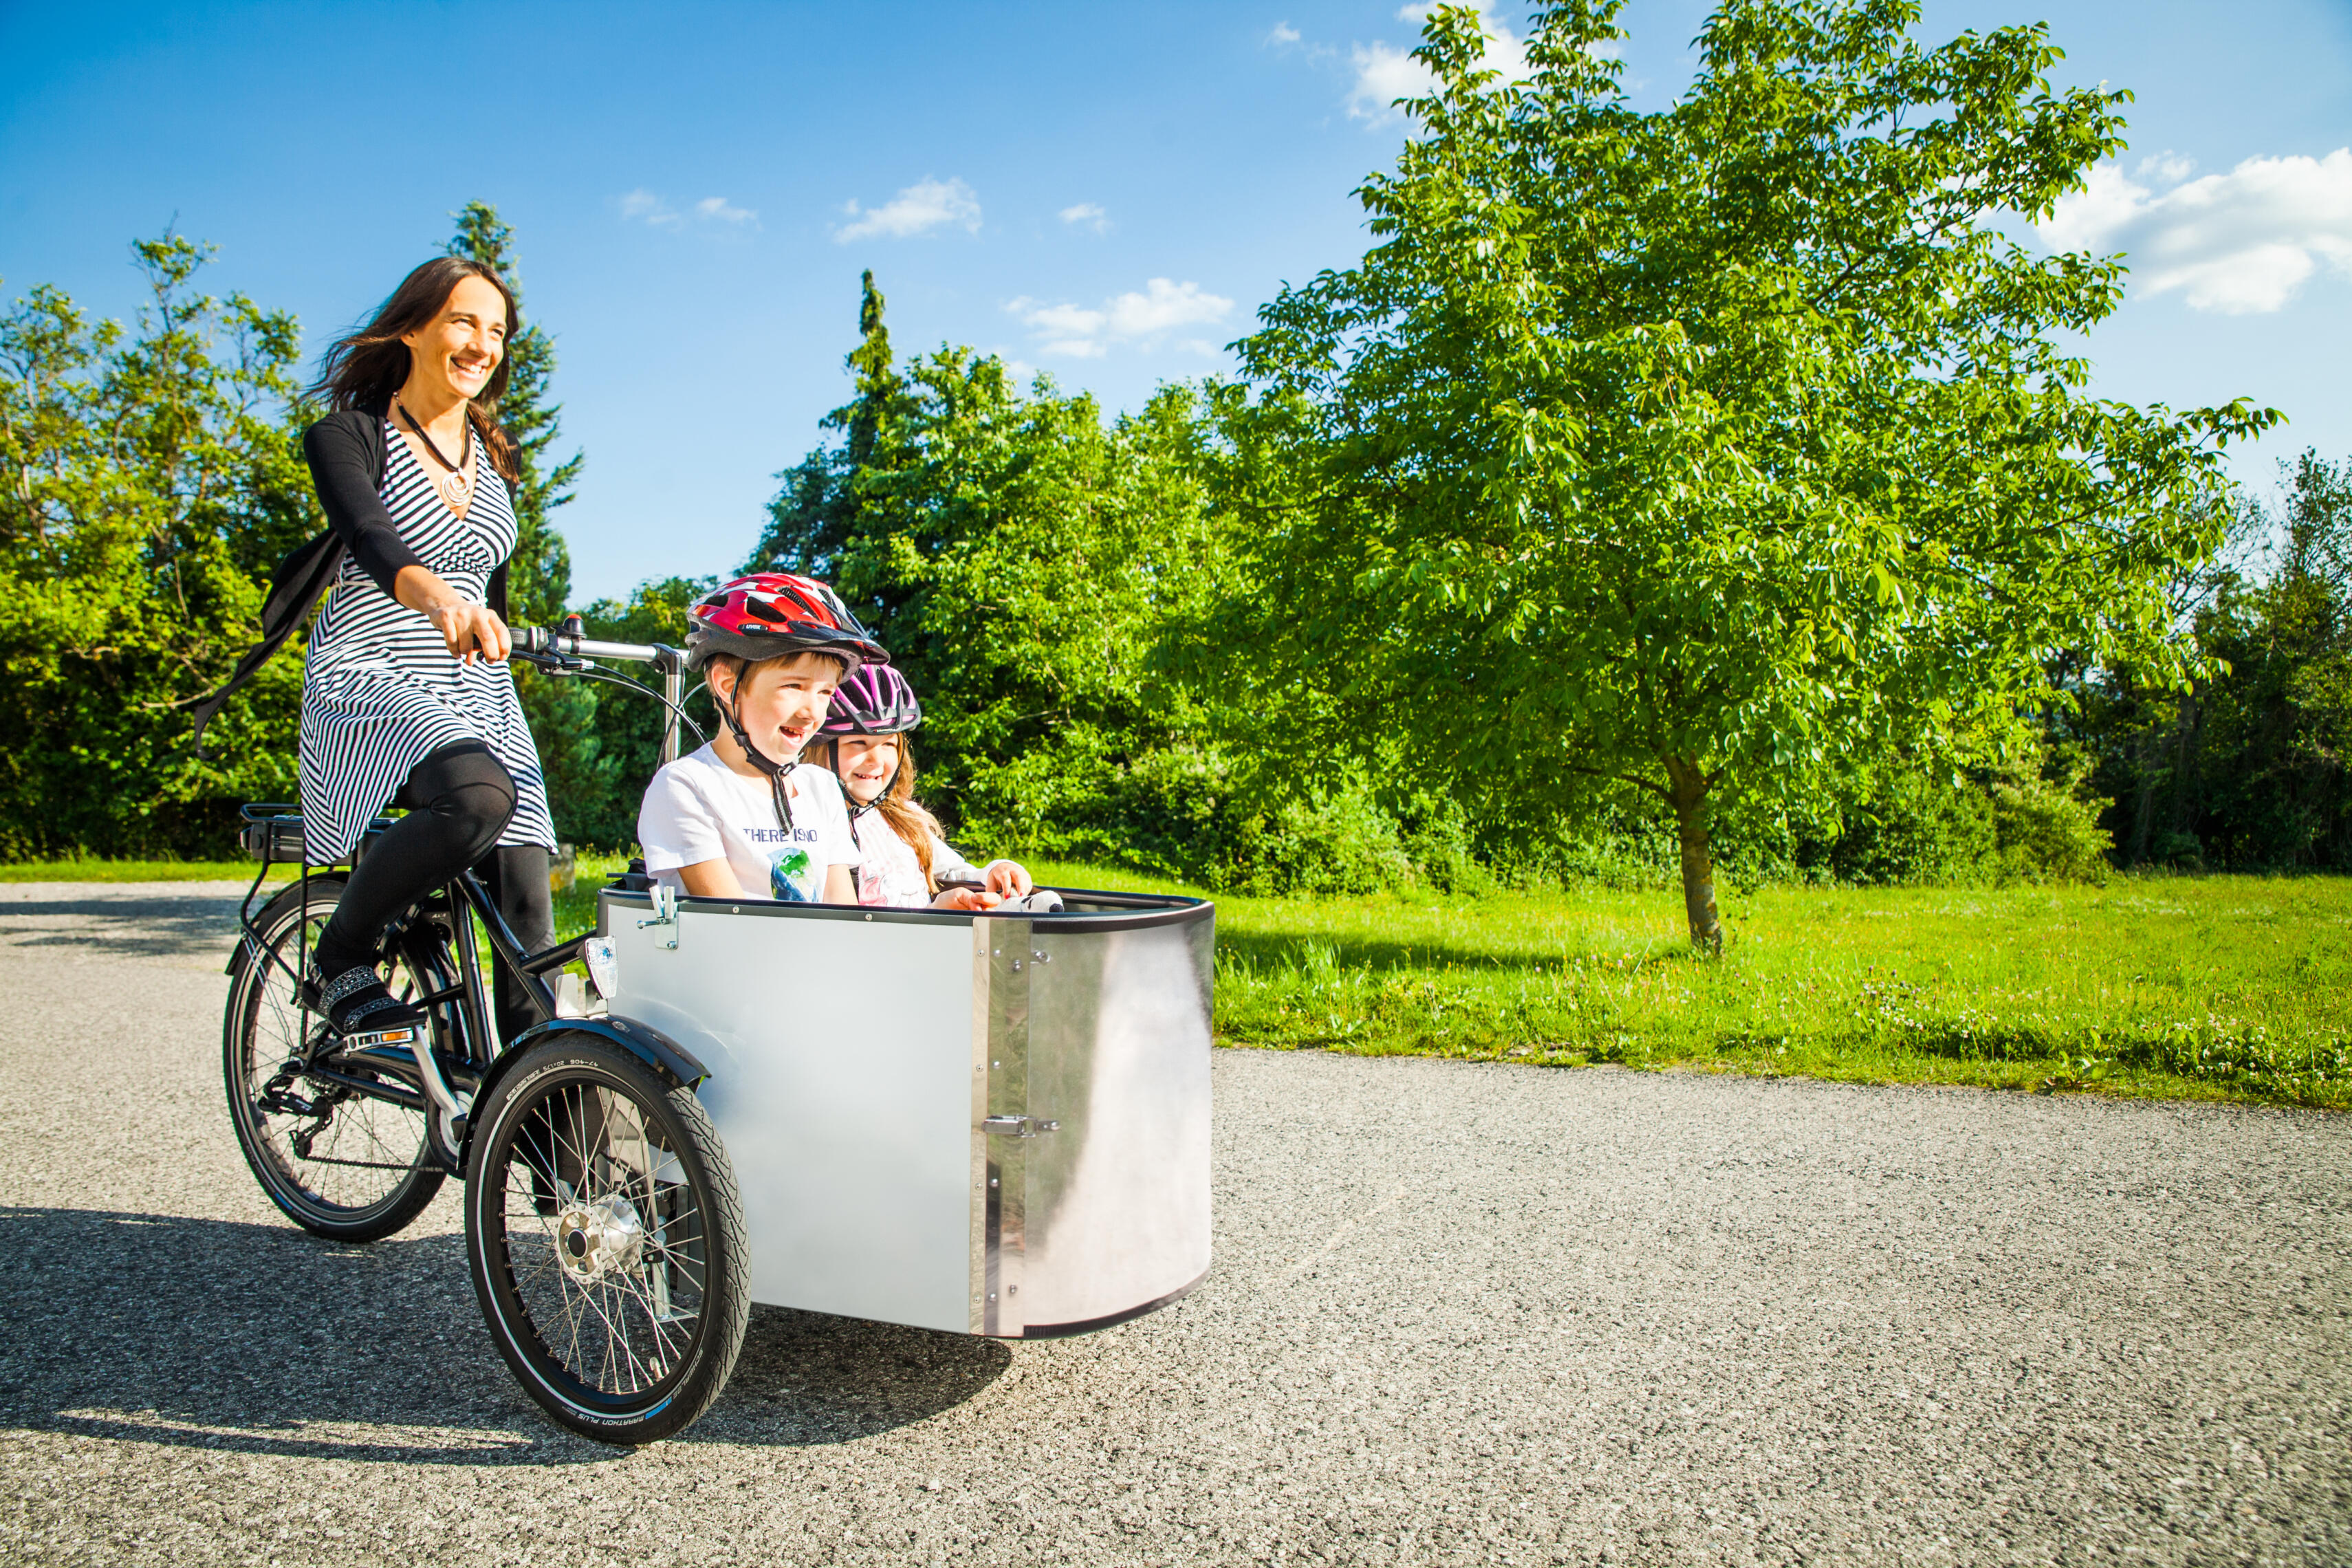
x: 606, y: 1241
x: 337, y: 1161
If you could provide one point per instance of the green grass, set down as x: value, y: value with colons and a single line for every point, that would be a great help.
x: 2224, y: 987
x: 575, y: 907
x: 2210, y: 988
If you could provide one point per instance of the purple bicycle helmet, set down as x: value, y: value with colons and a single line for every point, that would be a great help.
x: 874, y: 700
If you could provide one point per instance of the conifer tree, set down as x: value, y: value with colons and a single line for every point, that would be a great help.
x: 562, y: 713
x: 538, y: 577
x: 815, y: 516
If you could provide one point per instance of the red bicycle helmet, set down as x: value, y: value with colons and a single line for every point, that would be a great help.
x: 876, y: 700
x: 769, y: 613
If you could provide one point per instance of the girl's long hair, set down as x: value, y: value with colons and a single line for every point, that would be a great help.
x: 896, y: 805
x: 362, y: 369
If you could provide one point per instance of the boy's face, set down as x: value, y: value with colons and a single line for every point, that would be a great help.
x: 782, y: 701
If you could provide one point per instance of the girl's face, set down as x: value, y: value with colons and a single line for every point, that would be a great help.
x: 867, y: 765
x: 456, y: 353
x: 782, y: 700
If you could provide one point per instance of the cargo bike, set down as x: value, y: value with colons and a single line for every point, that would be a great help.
x: 984, y: 1123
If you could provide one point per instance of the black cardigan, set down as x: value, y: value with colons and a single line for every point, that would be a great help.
x: 346, y: 453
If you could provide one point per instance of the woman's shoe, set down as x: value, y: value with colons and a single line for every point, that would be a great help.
x: 360, y: 1008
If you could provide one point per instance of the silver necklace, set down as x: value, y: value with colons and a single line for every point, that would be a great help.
x: 456, y: 485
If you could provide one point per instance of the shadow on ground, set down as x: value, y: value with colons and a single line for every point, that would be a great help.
x: 160, y: 925
x: 263, y: 1339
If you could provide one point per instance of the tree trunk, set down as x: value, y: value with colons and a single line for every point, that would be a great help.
x: 2185, y: 792
x: 1689, y: 783
x: 2144, y: 813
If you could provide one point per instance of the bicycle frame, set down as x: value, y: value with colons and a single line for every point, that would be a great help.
x: 464, y: 1015
x: 464, y: 1043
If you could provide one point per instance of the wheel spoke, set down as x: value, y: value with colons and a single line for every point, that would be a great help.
x: 356, y: 1167
x: 364, y: 1151
x: 601, y: 1319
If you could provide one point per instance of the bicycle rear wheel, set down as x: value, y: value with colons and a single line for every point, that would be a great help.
x: 606, y: 1241
x: 336, y: 1161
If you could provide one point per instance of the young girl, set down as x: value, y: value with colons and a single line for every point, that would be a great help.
x: 739, y: 818
x: 902, y: 858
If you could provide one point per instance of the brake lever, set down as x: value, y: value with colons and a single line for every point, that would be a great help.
x: 553, y: 663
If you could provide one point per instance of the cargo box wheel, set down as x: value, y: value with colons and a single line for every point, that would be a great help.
x: 606, y: 1241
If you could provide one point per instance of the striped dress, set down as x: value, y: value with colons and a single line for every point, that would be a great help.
x: 382, y: 691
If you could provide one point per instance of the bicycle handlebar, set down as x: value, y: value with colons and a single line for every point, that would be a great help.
x: 565, y: 652
x: 546, y: 642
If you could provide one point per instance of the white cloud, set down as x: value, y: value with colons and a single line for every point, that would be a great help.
x: 716, y: 208
x: 920, y: 208
x: 1284, y: 33
x: 1385, y: 73
x: 1080, y: 332
x: 1087, y: 213
x: 2240, y: 242
x: 2168, y: 166
x: 641, y: 205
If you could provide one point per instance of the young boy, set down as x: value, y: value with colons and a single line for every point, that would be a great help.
x: 738, y: 818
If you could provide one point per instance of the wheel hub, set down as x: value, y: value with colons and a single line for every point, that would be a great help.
x: 594, y: 1240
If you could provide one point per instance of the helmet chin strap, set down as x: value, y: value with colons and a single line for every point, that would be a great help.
x: 857, y: 808
x: 777, y: 772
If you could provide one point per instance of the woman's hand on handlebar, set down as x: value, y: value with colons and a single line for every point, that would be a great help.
x: 468, y: 627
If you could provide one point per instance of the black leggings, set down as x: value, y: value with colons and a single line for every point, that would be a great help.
x: 459, y: 800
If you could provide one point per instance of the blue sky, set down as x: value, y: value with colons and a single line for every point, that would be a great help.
x: 1103, y: 193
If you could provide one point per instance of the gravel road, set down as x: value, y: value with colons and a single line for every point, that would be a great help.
x: 1460, y: 1314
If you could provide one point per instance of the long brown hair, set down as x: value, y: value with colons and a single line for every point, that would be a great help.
x: 362, y: 369
x: 895, y: 806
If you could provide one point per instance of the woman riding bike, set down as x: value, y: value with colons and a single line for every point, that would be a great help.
x: 407, y: 699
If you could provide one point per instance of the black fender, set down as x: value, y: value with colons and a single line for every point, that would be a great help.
x: 240, y: 957
x: 670, y: 1061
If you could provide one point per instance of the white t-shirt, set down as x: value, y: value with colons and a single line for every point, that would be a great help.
x: 698, y: 808
x: 889, y: 874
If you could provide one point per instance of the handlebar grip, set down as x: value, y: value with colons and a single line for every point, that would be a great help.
x: 540, y: 644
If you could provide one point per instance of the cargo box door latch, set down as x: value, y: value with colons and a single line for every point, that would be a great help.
x: 665, y: 902
x: 1018, y: 1126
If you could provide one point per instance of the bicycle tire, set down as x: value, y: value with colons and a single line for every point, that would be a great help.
x: 600, y: 1202
x: 371, y: 1144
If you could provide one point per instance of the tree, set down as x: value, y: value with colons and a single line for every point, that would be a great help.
x: 1021, y: 562
x: 1722, y: 450
x: 562, y: 713
x: 2263, y: 767
x: 629, y: 727
x: 813, y: 517
x: 538, y: 576
x: 148, y: 485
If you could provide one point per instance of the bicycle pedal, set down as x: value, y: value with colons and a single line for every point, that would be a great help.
x: 277, y: 1096
x: 402, y: 1037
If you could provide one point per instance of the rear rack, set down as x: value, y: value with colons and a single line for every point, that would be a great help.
x: 272, y: 833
